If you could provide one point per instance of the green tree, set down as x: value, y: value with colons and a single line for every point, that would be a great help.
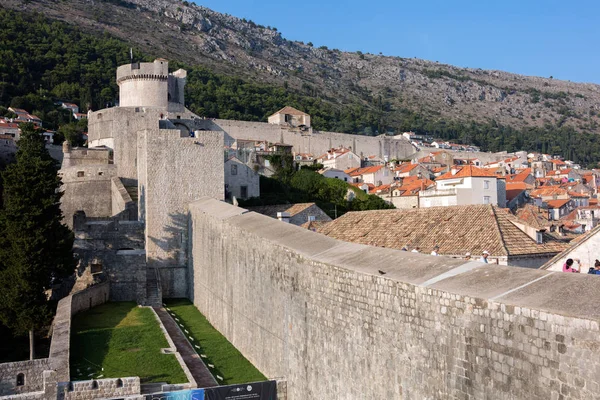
x: 36, y: 248
x: 73, y: 133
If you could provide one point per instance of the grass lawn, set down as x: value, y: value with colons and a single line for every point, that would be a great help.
x: 228, y: 362
x: 118, y: 340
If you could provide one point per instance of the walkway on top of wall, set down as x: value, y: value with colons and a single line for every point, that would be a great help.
x: 524, y: 287
x: 192, y: 360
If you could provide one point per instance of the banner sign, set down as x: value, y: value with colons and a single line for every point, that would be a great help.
x: 248, y: 391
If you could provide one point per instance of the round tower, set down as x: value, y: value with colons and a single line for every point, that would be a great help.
x: 144, y: 84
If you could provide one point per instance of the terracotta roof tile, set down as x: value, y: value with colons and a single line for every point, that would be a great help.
x: 363, y: 171
x: 455, y: 229
x: 557, y: 203
x: 467, y: 171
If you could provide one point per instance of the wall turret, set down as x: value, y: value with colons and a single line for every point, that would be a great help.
x: 144, y: 84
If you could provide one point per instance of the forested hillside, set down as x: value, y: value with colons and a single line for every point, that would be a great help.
x: 42, y: 61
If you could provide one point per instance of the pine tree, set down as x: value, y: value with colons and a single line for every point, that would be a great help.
x: 36, y: 248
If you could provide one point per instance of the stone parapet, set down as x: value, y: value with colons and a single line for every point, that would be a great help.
x: 99, y: 389
x: 334, y: 318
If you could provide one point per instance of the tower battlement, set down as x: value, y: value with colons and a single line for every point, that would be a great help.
x: 159, y: 70
x: 151, y: 85
x: 144, y: 84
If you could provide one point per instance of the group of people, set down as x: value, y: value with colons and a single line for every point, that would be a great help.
x: 484, y: 256
x: 568, y: 266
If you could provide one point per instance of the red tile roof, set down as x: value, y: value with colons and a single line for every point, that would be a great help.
x: 513, y: 189
x: 520, y: 176
x: 414, y: 186
x: 455, y: 229
x: 405, y: 168
x: 548, y: 191
x: 467, y: 171
x: 557, y: 203
x: 379, y: 188
x: 363, y: 171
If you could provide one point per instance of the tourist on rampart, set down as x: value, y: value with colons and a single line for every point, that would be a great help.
x: 484, y: 256
x: 568, y: 266
x: 415, y: 250
x: 434, y: 252
x: 595, y: 270
x: 468, y: 256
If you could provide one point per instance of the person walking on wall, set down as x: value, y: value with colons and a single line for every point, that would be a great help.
x: 435, y: 250
x: 568, y: 266
x: 484, y: 256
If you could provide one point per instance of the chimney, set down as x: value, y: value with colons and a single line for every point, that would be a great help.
x: 283, y: 216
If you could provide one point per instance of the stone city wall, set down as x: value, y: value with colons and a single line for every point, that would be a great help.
x: 32, y: 371
x: 173, y: 171
x: 8, y: 149
x: 117, y: 128
x: 99, y: 389
x: 61, y: 326
x: 84, y: 156
x: 338, y: 319
x: 38, y: 379
x: 90, y: 297
x: 119, y: 247
x: 314, y: 142
x: 122, y: 204
x: 480, y: 155
x: 87, y: 188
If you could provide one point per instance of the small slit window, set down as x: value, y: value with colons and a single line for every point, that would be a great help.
x: 20, y: 379
x: 80, y: 174
x: 94, y: 383
x: 100, y: 173
x: 119, y: 383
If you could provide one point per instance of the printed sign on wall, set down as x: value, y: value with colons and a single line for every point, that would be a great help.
x: 248, y: 391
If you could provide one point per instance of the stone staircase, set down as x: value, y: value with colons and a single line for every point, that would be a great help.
x: 153, y: 288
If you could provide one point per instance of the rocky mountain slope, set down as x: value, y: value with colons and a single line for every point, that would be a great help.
x: 193, y: 34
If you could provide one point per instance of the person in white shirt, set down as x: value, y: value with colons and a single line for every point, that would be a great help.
x: 415, y: 250
x: 435, y: 250
x: 484, y: 256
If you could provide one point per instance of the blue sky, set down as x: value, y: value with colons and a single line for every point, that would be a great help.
x: 531, y: 37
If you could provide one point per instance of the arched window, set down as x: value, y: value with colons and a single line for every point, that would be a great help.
x: 94, y: 384
x: 119, y: 383
x: 20, y: 379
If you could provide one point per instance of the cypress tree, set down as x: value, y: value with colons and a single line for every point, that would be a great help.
x: 36, y: 248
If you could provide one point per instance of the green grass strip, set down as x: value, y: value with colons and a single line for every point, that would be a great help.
x: 228, y: 362
x: 118, y: 340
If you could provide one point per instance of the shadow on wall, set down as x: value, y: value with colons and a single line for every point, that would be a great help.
x: 174, y: 241
x: 190, y: 252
